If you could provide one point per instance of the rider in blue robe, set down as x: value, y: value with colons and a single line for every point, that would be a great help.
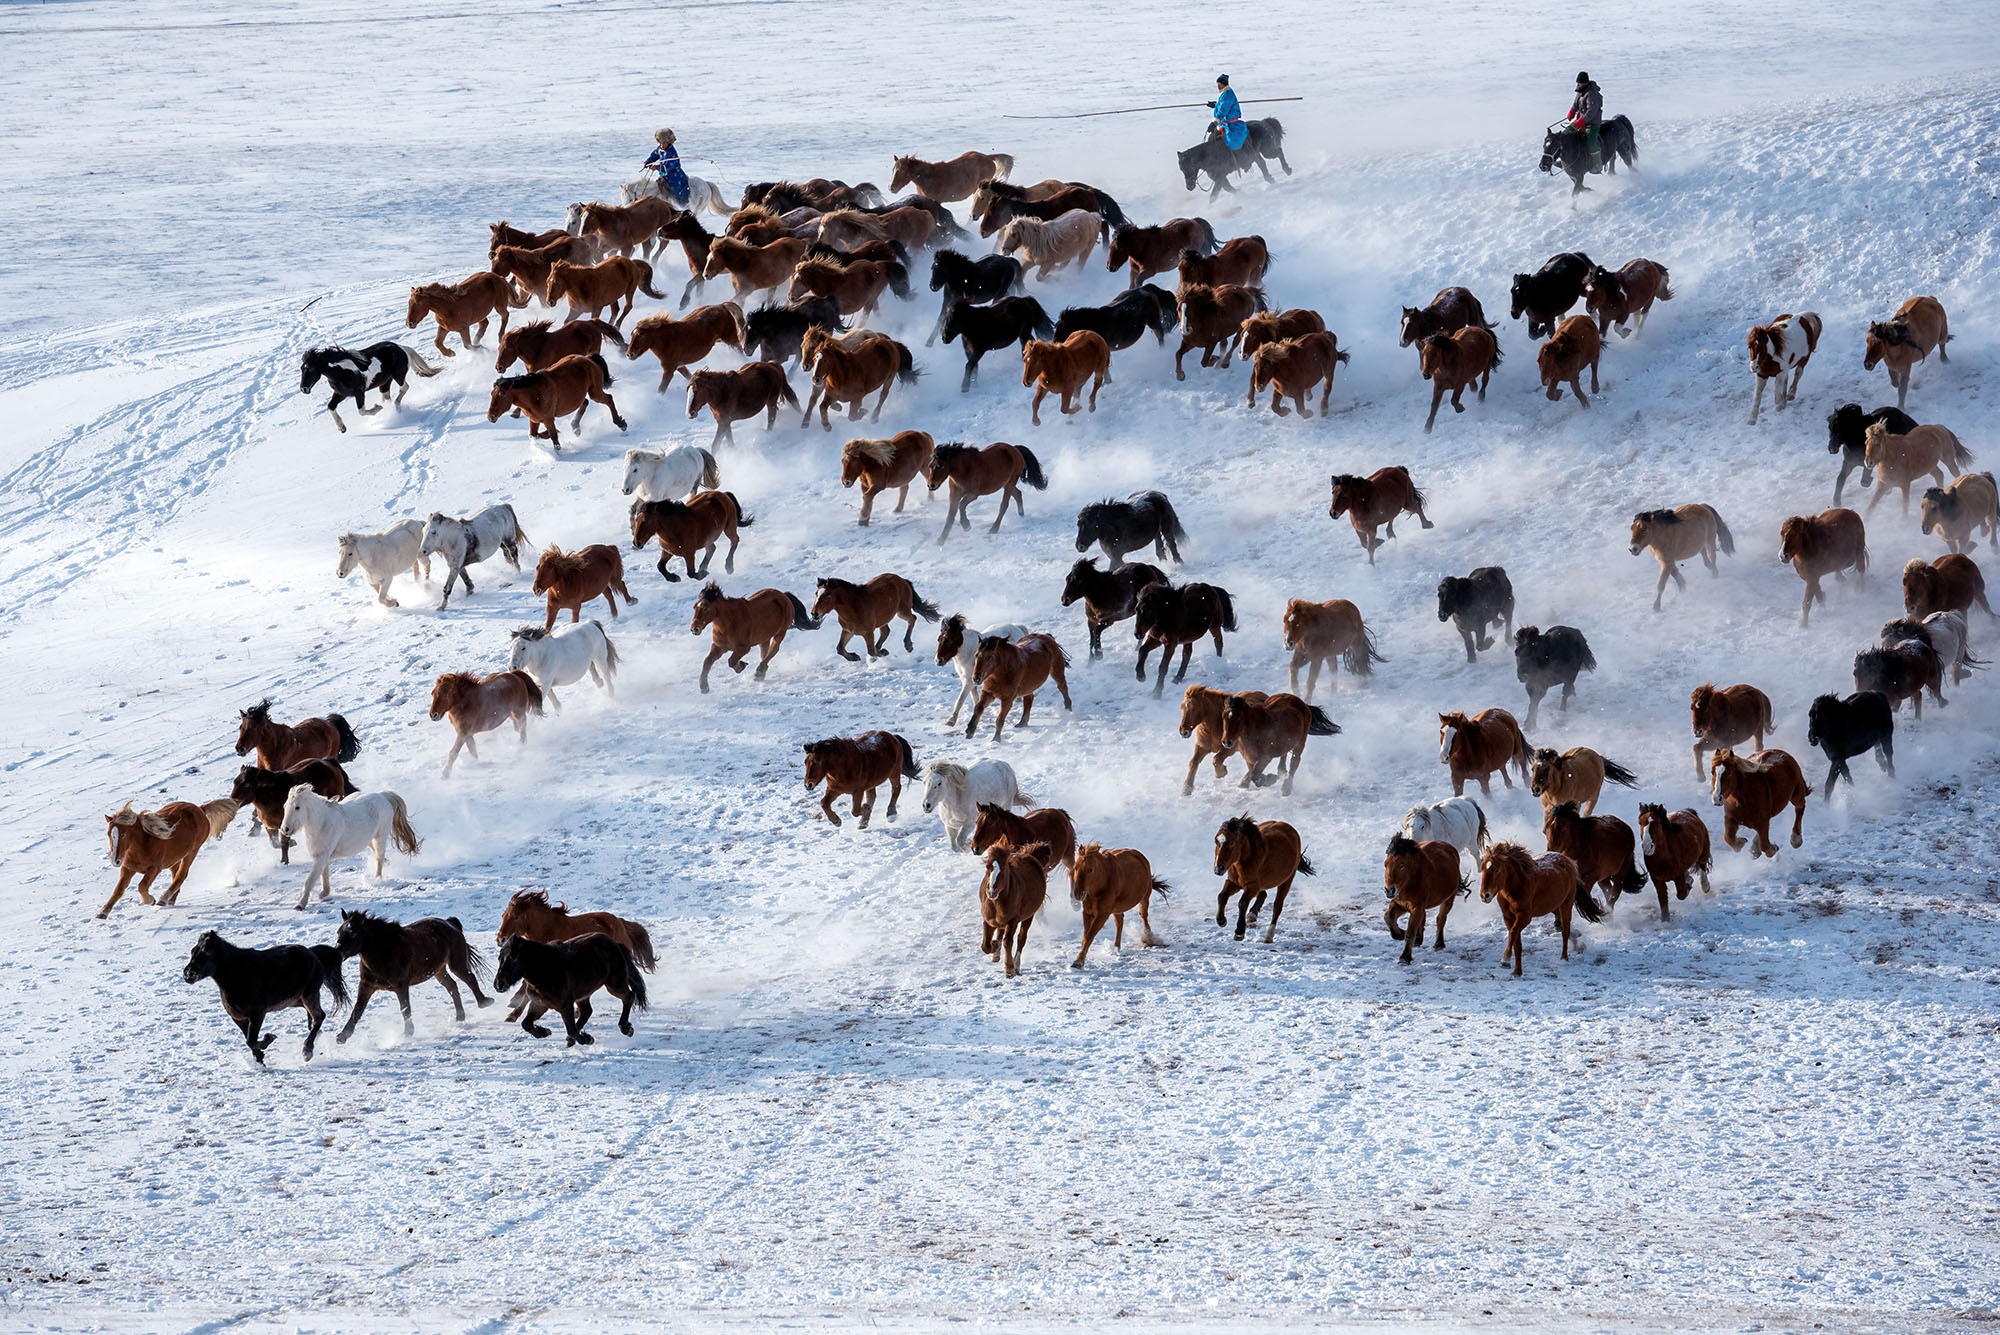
x: 666, y: 160
x: 1228, y: 116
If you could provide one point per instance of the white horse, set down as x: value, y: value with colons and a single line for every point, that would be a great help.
x: 1945, y: 632
x: 666, y: 475
x: 383, y: 555
x: 701, y: 194
x: 968, y: 649
x: 1457, y: 821
x: 563, y: 655
x: 341, y: 827
x: 464, y: 542
x: 955, y: 791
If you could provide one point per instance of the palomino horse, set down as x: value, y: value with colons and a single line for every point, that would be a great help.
x: 1374, y: 501
x: 954, y: 179
x: 396, y: 956
x: 1291, y: 367
x: 1899, y: 460
x: 1109, y: 596
x: 1063, y: 368
x: 1107, y: 884
x: 1043, y: 825
x: 1010, y: 895
x: 1473, y: 603
x: 1254, y: 859
x: 735, y: 396
x: 253, y: 983
x: 1952, y: 583
x: 958, y: 645
x: 1204, y: 712
x: 1145, y: 518
x: 1603, y: 848
x: 607, y: 286
x: 1576, y: 776
x: 1847, y: 436
x: 885, y: 465
x: 1843, y: 729
x: 1785, y: 344
x: 1267, y: 327
x: 1675, y: 849
x: 956, y: 792
x: 264, y: 791
x: 1678, y: 535
x: 682, y: 343
x: 572, y: 579
x: 1529, y: 887
x: 560, y: 976
x: 345, y: 827
x: 1048, y: 246
x: 1273, y: 728
x: 1170, y: 618
x: 1452, y: 309
x: 699, y: 525
x: 481, y: 704
x: 146, y: 843
x: 458, y: 307
x: 1918, y: 327
x: 1753, y: 789
x: 760, y: 622
x: 660, y: 475
x: 1561, y: 360
x: 1617, y: 297
x: 1416, y: 878
x: 540, y: 345
x: 1010, y: 670
x: 1147, y: 251
x: 1956, y: 513
x: 1212, y: 318
x: 283, y: 745
x: 845, y: 371
x: 1320, y: 633
x: 1830, y: 543
x: 855, y: 767
x: 1454, y: 362
x: 1477, y: 746
x: 1243, y: 261
x: 1728, y: 716
x: 974, y: 472
x: 865, y: 610
x: 568, y: 387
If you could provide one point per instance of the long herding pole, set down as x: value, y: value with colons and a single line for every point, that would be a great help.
x: 1165, y: 106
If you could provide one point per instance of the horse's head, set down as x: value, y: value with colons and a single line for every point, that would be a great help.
x: 1298, y: 617
x: 1547, y: 765
x: 446, y: 692
x: 986, y: 830
x: 293, y: 818
x: 1502, y: 870
x: 415, y: 315
x: 201, y: 960
x: 819, y: 761
x: 548, y: 569
x: 987, y: 656
x: 1077, y: 583
x: 310, y: 370
x: 1845, y: 425
x: 1819, y: 724
x: 1881, y: 336
x: 1089, y: 526
x: 1559, y: 825
x: 508, y: 967
x: 1435, y: 356
x: 1643, y: 525
x: 1939, y: 505
x: 1190, y: 161
x: 1551, y: 151
x: 1725, y: 775
x: 939, y: 777
x: 1793, y: 536
x: 707, y: 604
x: 1920, y: 591
x: 253, y: 722
x: 350, y: 554
x: 1449, y: 726
x: 944, y: 459
x: 1399, y: 865
x: 905, y: 171
x: 702, y: 391
x: 1200, y: 705
x: 1875, y: 444
x: 1452, y: 591
x: 1652, y: 822
x: 1347, y: 494
x: 824, y: 598
x: 1528, y: 651
x: 1518, y: 295
x: 518, y: 641
x: 1413, y: 327
x: 1235, y: 718
x: 1237, y: 840
x: 244, y: 789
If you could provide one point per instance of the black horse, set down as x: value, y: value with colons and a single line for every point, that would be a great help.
x: 1847, y: 436
x: 1118, y: 527
x: 1549, y: 293
x: 351, y: 374
x: 985, y: 279
x: 984, y: 329
x: 1570, y: 150
x: 774, y: 333
x: 561, y: 975
x: 1543, y: 659
x: 1265, y: 139
x: 1474, y: 603
x: 1169, y: 617
x: 1125, y: 319
x: 1843, y: 729
x: 1108, y: 596
x: 254, y: 983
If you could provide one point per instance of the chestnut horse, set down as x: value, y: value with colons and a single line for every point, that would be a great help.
x: 735, y: 396
x: 684, y: 529
x: 1785, y: 344
x: 855, y: 767
x: 591, y: 288
x: 752, y: 268
x: 849, y: 370
x: 1011, y: 670
x: 529, y: 268
x: 954, y: 179
x: 1062, y: 368
x: 146, y: 843
x: 622, y: 228
x: 1107, y: 884
x: 1242, y: 262
x: 883, y: 465
x: 1728, y: 716
x: 1416, y: 878
x: 1675, y: 847
x: 570, y: 386
x: 1170, y: 618
x: 1373, y: 501
x: 1147, y: 251
x: 1528, y: 887
x: 857, y: 285
x: 760, y: 621
x: 1010, y: 895
x: 1900, y: 460
x: 1576, y: 775
x: 867, y: 609
x: 682, y: 343
x: 1952, y: 583
x: 283, y: 745
x: 981, y: 472
x: 1213, y: 317
x: 1291, y: 367
x: 1956, y: 513
x: 1678, y: 535
x: 1253, y: 859
x: 457, y: 307
x: 1275, y: 327
x: 1477, y: 746
x: 1452, y: 362
x: 1043, y: 825
x: 1204, y: 711
x: 481, y: 704
x: 1617, y: 297
x: 1603, y: 847
x: 1271, y: 729
x: 1918, y: 327
x: 539, y: 346
x: 1573, y: 346
x: 1319, y: 633
x: 1452, y: 309
x: 1753, y: 789
x: 1828, y: 544
x: 573, y: 579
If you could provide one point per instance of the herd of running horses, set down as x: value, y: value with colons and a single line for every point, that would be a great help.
x: 818, y: 259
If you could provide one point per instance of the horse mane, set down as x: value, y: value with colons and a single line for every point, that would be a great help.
x: 945, y: 453
x: 1243, y: 825
x: 556, y: 559
x: 535, y: 327
x: 538, y: 898
x: 518, y: 381
x: 1454, y: 720
x: 1400, y: 846
x: 529, y: 633
x: 1513, y: 857
x: 1348, y: 480
x: 1657, y: 517
x: 261, y: 711
x: 711, y: 592
x: 846, y: 586
x: 758, y: 212
x: 881, y: 450
x: 951, y: 772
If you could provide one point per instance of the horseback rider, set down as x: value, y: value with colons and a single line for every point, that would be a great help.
x: 666, y: 160
x: 1228, y: 122
x: 1586, y: 112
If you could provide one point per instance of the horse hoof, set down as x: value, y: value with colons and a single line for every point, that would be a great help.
x: 585, y: 1039
x: 625, y: 1028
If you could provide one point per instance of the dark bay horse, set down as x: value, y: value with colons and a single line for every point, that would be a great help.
x: 1265, y: 139
x: 396, y: 957
x: 1569, y: 150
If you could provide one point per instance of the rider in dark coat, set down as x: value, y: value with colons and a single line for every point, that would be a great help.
x: 1586, y: 111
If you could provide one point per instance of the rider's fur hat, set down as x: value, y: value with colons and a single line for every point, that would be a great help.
x: 1222, y: 79
x: 1582, y: 78
x: 663, y: 136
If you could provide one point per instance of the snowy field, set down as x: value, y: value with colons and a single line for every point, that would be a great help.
x: 1775, y: 1112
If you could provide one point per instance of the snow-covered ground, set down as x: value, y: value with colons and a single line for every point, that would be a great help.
x: 1774, y: 1112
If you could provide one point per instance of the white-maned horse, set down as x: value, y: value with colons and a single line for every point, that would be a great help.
x: 955, y: 791
x: 341, y: 827
x: 464, y: 542
x: 563, y: 655
x: 701, y: 194
x: 383, y: 555
x: 958, y: 645
x: 1457, y: 821
x: 670, y: 475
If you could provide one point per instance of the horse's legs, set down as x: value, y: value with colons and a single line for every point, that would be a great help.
x: 1312, y: 676
x: 986, y: 697
x: 1042, y: 392
x: 1437, y: 397
x: 451, y: 758
x: 1093, y: 923
x: 770, y: 651
x: 1010, y: 491
x: 909, y: 634
x: 1187, y: 652
x: 707, y: 556
x: 1729, y: 835
x: 1187, y: 784
x: 840, y: 647
x: 1292, y: 772
x: 572, y: 1026
x: 1757, y: 401
x: 1799, y: 819
x: 125, y: 876
x: 1216, y: 631
x: 884, y: 398
x: 1413, y: 930
x: 457, y: 1002
x: 1000, y: 719
x: 895, y: 793
x: 863, y: 805
x: 1576, y: 386
x: 1805, y: 608
x: 950, y: 513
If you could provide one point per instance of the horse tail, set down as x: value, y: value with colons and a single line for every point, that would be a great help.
x: 520, y: 534
x: 420, y: 366
x: 1481, y: 839
x: 801, y: 619
x: 711, y: 471
x: 475, y: 963
x: 1586, y: 904
x: 785, y: 392
x: 909, y: 756
x: 1617, y: 773
x: 744, y: 519
x: 635, y: 981
x: 606, y: 329
x: 407, y: 842
x: 928, y: 611
x: 1632, y: 878
x: 1770, y: 715
x: 1158, y: 886
x: 646, y: 281
x: 1723, y: 538
x: 329, y: 974
x: 1319, y: 724
x: 533, y: 690
x: 1306, y: 867
x: 1361, y: 658
x: 906, y: 365
x: 641, y: 944
x: 1112, y: 216
x: 602, y: 366
x: 1003, y: 163
x: 1961, y: 458
x: 610, y: 653
x: 350, y: 745
x: 1173, y: 523
x: 1228, y: 607
x: 1039, y: 323
x: 1031, y: 469
x: 1209, y: 245
x: 1665, y: 293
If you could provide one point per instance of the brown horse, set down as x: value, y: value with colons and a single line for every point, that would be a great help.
x: 739, y: 625
x: 619, y: 229
x: 998, y: 203
x: 1918, y: 327
x: 1147, y: 251
x: 849, y: 370
x: 867, y: 609
x: 1785, y: 344
x: 1292, y: 367
x: 1254, y: 859
x: 1107, y: 884
x: 1675, y: 847
x: 537, y: 346
x: 699, y: 525
x: 1678, y: 535
x: 1275, y: 327
x: 1573, y: 346
x: 146, y: 843
x: 397, y: 956
x: 604, y: 286
x: 1319, y: 633
x: 1956, y: 513
x: 857, y: 284
x: 1900, y: 460
x: 973, y: 473
x: 753, y: 268
x: 1617, y: 297
x: 1203, y: 714
x: 264, y: 791
x: 1903, y: 671
x: 283, y: 745
x: 1952, y: 583
x: 573, y: 579
x: 954, y: 179
x: 882, y: 465
x: 1452, y: 309
x: 1528, y: 887
x: 855, y: 767
x: 1728, y: 716
x: 1603, y: 848
x: 457, y: 307
x: 1009, y: 671
x: 1416, y: 878
x: 1828, y: 544
x: 529, y: 268
x: 1576, y: 776
x: 570, y: 386
x: 503, y: 234
x: 481, y: 704
x: 736, y: 396
x: 1240, y: 262
x: 1477, y: 746
x: 1753, y: 789
x: 1269, y: 729
x: 1062, y: 368
x: 1010, y: 895
x: 1213, y: 317
x: 1043, y: 825
x: 1376, y: 500
x: 682, y: 343
x: 1453, y: 362
x: 910, y: 226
